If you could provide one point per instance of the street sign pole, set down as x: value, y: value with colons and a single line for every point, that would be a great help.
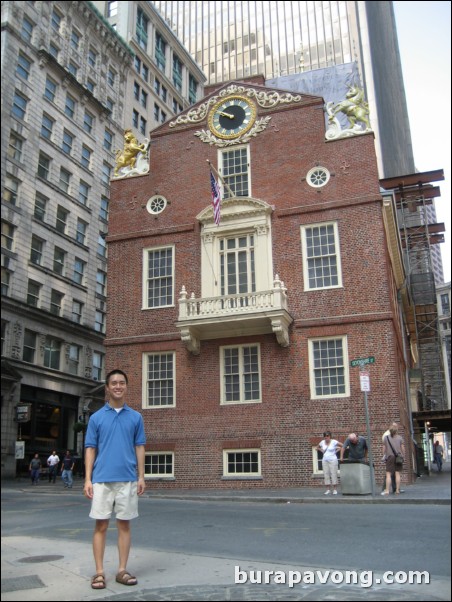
x: 369, y: 445
x: 365, y: 387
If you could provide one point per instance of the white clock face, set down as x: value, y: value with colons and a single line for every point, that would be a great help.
x: 232, y: 117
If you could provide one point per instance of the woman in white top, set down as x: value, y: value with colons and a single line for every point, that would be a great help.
x: 330, y: 463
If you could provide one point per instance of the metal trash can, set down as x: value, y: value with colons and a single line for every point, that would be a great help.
x: 355, y: 477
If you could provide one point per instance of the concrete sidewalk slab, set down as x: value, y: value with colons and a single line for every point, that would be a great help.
x: 173, y: 576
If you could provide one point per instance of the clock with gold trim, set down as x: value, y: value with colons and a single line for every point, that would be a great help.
x: 232, y: 117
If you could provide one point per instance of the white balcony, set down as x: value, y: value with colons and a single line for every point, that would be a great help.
x: 261, y: 312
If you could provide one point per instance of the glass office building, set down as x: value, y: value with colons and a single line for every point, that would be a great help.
x: 231, y: 40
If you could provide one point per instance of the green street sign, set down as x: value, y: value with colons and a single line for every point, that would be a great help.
x: 362, y: 362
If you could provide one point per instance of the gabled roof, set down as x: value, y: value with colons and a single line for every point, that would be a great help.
x: 267, y: 98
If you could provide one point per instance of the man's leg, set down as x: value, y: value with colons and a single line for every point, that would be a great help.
x: 124, y: 541
x: 99, y: 540
x: 394, y: 483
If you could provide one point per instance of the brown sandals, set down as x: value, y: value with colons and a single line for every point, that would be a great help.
x: 98, y: 581
x: 126, y: 578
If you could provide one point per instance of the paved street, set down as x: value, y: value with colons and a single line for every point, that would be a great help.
x: 187, y: 545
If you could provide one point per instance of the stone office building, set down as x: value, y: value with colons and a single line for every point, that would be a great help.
x: 63, y: 82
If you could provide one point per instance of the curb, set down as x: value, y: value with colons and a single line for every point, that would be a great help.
x: 247, y: 499
x: 313, y: 500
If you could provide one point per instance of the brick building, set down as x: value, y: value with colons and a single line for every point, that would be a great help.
x: 238, y: 337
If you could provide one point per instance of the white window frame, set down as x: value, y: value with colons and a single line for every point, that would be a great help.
x: 29, y: 346
x: 241, y: 475
x: 242, y: 400
x: 344, y: 340
x: 56, y: 302
x: 73, y: 359
x: 78, y: 274
x: 145, y: 298
x: 245, y: 216
x: 98, y: 365
x: 221, y: 153
x: 145, y: 364
x: 304, y: 228
x: 77, y: 311
x: 159, y: 476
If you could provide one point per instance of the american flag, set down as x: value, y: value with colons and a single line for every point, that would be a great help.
x: 216, y: 198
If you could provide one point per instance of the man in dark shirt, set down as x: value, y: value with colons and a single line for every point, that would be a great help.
x: 357, y: 447
x: 68, y: 467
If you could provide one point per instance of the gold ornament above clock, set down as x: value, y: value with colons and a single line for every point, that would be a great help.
x: 231, y: 117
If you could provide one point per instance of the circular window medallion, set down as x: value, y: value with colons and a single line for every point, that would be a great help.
x: 317, y: 177
x: 156, y: 204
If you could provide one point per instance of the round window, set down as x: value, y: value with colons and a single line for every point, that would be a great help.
x: 156, y: 204
x: 317, y: 177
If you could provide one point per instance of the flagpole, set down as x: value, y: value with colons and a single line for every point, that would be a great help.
x: 225, y: 184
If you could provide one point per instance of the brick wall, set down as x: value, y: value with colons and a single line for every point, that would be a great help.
x: 287, y: 420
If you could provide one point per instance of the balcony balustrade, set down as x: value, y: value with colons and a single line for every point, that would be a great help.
x: 243, y: 314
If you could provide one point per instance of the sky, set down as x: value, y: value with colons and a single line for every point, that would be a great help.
x: 424, y: 34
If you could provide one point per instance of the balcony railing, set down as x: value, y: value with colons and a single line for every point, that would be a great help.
x: 260, y: 312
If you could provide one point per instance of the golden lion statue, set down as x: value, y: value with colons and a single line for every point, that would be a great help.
x: 128, y: 156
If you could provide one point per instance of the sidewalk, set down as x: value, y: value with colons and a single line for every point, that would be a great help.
x: 428, y: 489
x: 39, y: 568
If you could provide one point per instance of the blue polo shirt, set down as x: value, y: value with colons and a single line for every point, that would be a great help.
x: 115, y: 435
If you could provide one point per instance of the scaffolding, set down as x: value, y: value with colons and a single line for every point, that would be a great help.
x: 414, y: 195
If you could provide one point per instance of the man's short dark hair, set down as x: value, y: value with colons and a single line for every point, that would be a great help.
x: 116, y: 371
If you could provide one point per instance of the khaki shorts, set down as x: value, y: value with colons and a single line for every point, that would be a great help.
x: 121, y: 496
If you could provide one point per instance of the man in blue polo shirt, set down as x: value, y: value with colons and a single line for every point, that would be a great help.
x: 114, y: 474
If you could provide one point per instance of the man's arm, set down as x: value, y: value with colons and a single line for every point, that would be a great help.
x: 343, y: 448
x: 90, y: 456
x: 139, y: 450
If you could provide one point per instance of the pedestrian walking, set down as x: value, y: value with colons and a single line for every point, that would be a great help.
x: 53, y: 461
x: 35, y: 469
x: 330, y: 448
x: 114, y: 474
x: 438, y: 452
x: 67, y: 466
